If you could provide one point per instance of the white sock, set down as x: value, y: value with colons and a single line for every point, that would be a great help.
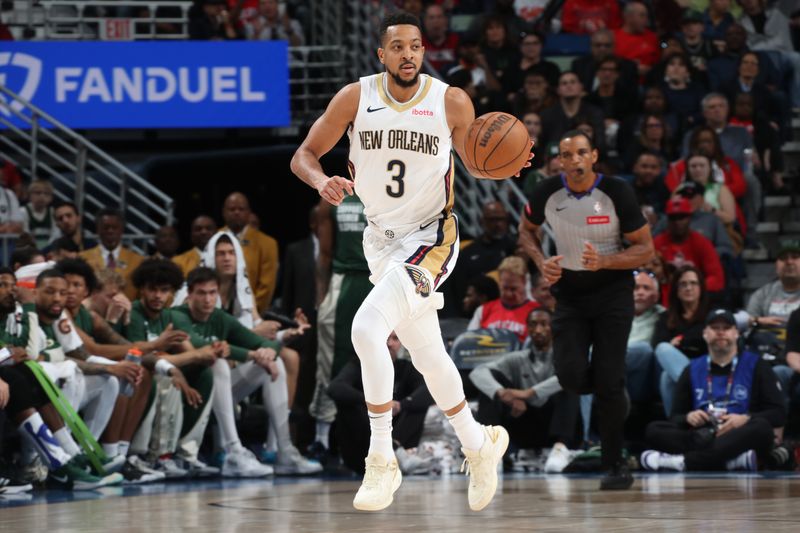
x: 222, y: 405
x: 380, y: 439
x: 672, y: 462
x: 276, y: 403
x: 66, y: 442
x: 469, y: 432
x: 111, y: 449
x: 323, y: 432
x: 124, y: 446
x: 34, y: 431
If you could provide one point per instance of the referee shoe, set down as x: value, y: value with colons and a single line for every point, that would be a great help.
x: 618, y: 477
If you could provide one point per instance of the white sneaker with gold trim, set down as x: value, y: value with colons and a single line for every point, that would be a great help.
x: 381, y: 479
x: 481, y: 466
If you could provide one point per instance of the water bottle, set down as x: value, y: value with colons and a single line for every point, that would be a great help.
x: 134, y: 355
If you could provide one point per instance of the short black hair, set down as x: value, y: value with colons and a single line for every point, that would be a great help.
x: 565, y: 72
x: 48, y: 274
x: 108, y: 212
x: 485, y: 286
x: 575, y: 133
x: 157, y: 272
x: 64, y: 203
x: 64, y: 244
x: 396, y: 18
x: 201, y: 275
x: 540, y: 309
x: 24, y: 255
x: 7, y: 270
x: 79, y: 267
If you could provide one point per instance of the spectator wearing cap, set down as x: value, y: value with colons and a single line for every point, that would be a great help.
x: 634, y: 40
x: 701, y: 221
x: 770, y: 306
x: 727, y: 404
x: 680, y: 245
x: 697, y: 47
x: 209, y: 20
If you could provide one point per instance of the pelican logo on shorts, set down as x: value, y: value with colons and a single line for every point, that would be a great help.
x: 389, y: 234
x: 420, y: 280
x: 32, y: 67
x: 64, y: 326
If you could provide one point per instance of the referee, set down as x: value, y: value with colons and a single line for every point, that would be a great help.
x: 600, y: 237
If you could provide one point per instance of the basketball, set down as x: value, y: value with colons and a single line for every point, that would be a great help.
x: 498, y: 145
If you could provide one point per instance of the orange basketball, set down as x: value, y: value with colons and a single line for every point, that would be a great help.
x: 497, y: 144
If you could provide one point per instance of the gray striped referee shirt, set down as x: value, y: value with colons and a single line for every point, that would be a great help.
x: 601, y: 216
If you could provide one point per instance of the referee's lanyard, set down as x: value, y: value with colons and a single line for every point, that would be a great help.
x: 727, y: 388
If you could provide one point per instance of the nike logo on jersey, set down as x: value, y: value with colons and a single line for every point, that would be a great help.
x: 421, y: 226
x: 370, y: 110
x: 560, y: 208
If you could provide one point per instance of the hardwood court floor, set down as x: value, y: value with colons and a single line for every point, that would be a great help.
x: 666, y: 502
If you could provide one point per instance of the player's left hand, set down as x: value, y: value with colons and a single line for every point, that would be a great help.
x: 590, y: 259
x: 731, y: 421
x: 528, y: 164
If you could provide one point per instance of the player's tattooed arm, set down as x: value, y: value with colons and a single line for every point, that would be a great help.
x: 80, y: 356
x: 104, y: 333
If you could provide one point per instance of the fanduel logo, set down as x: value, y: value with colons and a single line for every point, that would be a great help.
x: 33, y: 68
x: 155, y: 84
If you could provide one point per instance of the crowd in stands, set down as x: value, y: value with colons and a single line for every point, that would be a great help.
x: 689, y: 103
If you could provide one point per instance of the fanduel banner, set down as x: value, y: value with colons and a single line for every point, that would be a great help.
x: 151, y: 84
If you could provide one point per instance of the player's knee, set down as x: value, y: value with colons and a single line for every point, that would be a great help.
x: 367, y: 333
x: 111, y: 387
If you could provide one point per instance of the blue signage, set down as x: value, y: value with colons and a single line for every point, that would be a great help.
x: 151, y: 84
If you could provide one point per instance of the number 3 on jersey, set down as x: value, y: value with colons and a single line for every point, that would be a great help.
x: 398, y: 168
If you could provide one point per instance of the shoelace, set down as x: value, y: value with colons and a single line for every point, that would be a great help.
x: 472, y: 467
x: 372, y: 476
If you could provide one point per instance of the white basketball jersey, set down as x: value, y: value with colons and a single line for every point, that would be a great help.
x: 400, y: 154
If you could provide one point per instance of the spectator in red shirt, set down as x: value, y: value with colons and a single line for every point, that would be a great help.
x: 588, y: 16
x: 511, y: 310
x: 634, y: 41
x: 440, y: 43
x: 680, y: 245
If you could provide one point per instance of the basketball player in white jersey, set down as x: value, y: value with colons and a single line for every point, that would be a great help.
x: 402, y: 126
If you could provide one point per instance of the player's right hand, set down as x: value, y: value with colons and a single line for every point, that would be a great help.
x: 551, y: 269
x: 333, y: 189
